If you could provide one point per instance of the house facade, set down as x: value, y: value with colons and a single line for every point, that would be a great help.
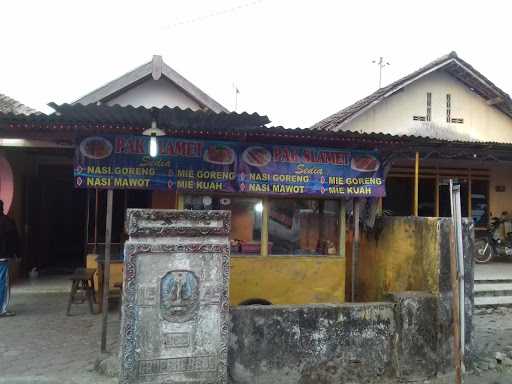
x: 52, y: 216
x: 153, y: 84
x: 449, y: 100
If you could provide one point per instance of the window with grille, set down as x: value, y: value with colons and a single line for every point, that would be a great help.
x: 448, y: 108
x: 449, y: 118
x: 428, y: 116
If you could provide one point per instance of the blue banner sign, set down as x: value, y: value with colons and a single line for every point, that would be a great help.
x: 123, y: 162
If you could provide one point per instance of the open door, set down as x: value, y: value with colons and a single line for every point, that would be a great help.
x: 56, y: 219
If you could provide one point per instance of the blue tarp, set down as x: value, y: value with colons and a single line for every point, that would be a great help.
x: 4, y: 285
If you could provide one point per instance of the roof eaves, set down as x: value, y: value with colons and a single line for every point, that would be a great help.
x: 482, y: 79
x: 10, y: 105
x: 137, y: 117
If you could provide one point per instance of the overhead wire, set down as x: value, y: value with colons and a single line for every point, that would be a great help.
x: 213, y: 14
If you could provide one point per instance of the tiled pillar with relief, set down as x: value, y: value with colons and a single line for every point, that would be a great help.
x: 175, y: 316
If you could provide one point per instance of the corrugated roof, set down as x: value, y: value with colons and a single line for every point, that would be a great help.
x: 71, y: 120
x: 451, y: 64
x: 9, y: 105
x: 136, y: 118
x: 312, y: 134
x: 153, y: 69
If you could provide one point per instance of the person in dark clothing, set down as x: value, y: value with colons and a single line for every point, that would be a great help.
x: 8, y: 235
x: 8, y: 251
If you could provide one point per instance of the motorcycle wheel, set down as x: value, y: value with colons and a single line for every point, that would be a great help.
x: 483, y: 251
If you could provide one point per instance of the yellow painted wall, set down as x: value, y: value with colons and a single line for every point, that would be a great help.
x: 278, y: 279
x: 405, y: 257
x: 288, y: 279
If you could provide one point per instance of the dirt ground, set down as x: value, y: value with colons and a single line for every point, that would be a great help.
x: 492, y: 338
x: 41, y: 345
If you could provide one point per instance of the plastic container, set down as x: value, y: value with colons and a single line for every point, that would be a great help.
x: 253, y: 248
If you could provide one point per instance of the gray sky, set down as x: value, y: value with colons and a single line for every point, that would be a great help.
x: 296, y: 61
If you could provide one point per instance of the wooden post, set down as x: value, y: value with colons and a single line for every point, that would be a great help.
x: 125, y: 203
x: 355, y: 250
x: 321, y: 225
x: 87, y: 220
x: 342, y: 229
x: 437, y: 193
x: 455, y: 306
x: 181, y: 202
x: 416, y: 183
x: 264, y: 227
x: 106, y: 270
x: 470, y: 203
x: 96, y: 221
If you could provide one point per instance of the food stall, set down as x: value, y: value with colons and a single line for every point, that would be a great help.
x: 288, y: 203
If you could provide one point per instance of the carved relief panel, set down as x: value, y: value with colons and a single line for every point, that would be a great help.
x: 175, y: 305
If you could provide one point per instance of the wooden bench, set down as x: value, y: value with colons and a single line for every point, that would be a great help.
x: 82, y: 280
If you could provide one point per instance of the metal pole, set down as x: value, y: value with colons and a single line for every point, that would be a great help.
x: 416, y: 183
x: 460, y: 264
x: 355, y: 250
x: 455, y: 308
x: 380, y: 73
x: 236, y: 97
x: 106, y: 270
x: 457, y: 280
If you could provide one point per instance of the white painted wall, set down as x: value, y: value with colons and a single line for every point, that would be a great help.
x: 155, y: 93
x: 395, y: 114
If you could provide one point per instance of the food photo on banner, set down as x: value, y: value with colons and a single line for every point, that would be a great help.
x: 123, y: 162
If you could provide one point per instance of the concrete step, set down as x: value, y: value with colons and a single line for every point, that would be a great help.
x: 493, y: 289
x: 492, y: 301
x: 493, y: 281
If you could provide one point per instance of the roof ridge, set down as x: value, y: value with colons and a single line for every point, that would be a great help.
x: 151, y: 69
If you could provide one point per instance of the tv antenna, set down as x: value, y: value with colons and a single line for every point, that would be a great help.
x: 381, y: 63
x: 237, y: 91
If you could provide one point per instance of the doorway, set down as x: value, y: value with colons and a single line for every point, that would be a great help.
x: 55, y: 220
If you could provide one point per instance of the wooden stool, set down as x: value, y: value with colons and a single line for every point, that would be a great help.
x: 82, y: 280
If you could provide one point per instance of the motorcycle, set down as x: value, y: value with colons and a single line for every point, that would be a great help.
x: 493, y: 243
